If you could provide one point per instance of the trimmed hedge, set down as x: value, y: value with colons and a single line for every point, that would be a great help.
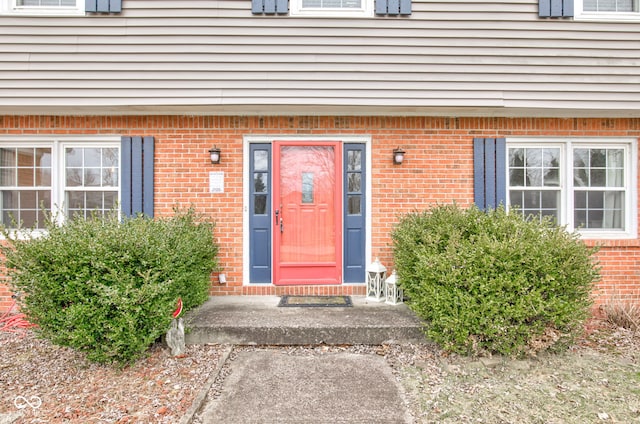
x: 494, y: 281
x: 107, y: 286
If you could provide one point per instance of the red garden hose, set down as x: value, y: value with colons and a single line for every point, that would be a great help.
x: 14, y: 323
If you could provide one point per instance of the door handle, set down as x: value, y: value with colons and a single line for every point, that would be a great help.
x: 280, y: 221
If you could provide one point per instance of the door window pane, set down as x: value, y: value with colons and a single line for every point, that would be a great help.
x: 354, y: 206
x: 307, y: 187
x: 260, y: 182
x: 354, y: 182
x: 354, y: 160
x: 260, y: 204
x: 261, y: 160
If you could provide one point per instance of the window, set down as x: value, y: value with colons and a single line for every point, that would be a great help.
x: 607, y: 9
x: 584, y: 184
x: 91, y: 179
x: 70, y: 176
x: 43, y: 7
x: 347, y: 8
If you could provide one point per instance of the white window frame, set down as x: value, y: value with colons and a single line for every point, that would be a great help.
x: 58, y: 146
x: 366, y: 11
x: 10, y: 7
x: 566, y: 145
x: 582, y: 15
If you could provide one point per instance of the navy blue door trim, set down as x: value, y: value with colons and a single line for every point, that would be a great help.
x: 354, y: 212
x: 260, y: 172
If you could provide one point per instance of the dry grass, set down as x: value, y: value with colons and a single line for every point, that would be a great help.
x: 623, y: 313
x: 595, y: 381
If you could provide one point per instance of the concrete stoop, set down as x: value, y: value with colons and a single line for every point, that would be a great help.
x: 257, y: 320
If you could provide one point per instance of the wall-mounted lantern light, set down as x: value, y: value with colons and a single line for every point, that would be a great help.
x: 398, y: 156
x: 214, y: 154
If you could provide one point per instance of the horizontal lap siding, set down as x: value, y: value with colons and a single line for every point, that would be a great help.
x: 216, y: 53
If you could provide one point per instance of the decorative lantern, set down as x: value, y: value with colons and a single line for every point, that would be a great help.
x: 375, y: 281
x: 392, y: 292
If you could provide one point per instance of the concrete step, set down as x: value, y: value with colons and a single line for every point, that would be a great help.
x: 257, y: 320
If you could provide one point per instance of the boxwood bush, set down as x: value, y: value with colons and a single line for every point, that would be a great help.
x: 108, y: 286
x: 494, y: 282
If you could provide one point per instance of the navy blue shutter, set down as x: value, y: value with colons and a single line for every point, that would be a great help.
x: 393, y: 7
x: 555, y: 8
x: 125, y: 175
x: 103, y: 6
x: 136, y: 190
x: 489, y: 172
x: 147, y: 172
x: 354, y: 223
x: 269, y: 7
x: 260, y: 218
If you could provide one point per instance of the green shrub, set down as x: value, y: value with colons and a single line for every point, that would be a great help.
x: 493, y: 281
x: 107, y: 286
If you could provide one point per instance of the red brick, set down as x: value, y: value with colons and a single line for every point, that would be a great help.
x: 438, y: 169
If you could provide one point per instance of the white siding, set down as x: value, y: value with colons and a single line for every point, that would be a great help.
x: 459, y: 57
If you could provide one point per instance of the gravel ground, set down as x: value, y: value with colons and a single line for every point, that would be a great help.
x: 596, y: 381
x: 157, y: 389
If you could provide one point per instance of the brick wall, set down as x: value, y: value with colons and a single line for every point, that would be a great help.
x: 438, y: 168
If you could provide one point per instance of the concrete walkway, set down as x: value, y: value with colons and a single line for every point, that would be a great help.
x: 272, y: 386
x: 278, y: 385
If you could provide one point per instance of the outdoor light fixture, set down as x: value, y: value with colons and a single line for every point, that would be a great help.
x: 214, y: 153
x: 398, y: 156
x: 375, y: 281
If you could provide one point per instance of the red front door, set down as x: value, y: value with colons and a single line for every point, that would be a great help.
x: 307, y: 210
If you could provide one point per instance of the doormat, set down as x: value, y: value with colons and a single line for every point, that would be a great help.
x: 316, y: 301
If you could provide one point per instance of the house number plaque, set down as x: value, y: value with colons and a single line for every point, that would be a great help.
x: 216, y: 182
